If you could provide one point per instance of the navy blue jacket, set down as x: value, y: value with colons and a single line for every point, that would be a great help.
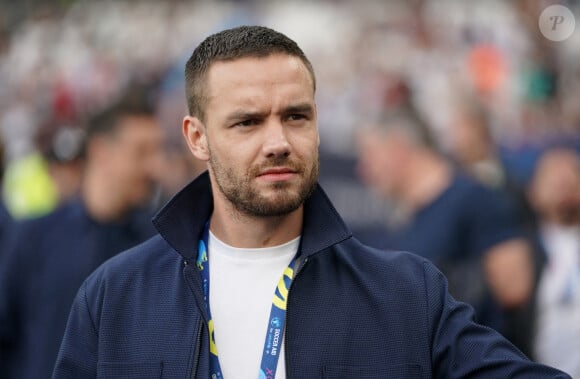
x: 353, y: 312
x: 41, y: 271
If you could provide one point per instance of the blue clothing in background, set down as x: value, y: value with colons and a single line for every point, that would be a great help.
x: 454, y: 231
x: 47, y: 260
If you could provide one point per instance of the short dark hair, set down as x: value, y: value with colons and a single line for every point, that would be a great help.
x: 407, y: 119
x: 135, y: 101
x: 232, y: 44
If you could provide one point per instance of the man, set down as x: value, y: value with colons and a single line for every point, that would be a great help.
x: 470, y: 232
x: 474, y: 149
x: 210, y: 296
x: 5, y: 217
x: 60, y: 144
x: 555, y: 195
x: 50, y: 257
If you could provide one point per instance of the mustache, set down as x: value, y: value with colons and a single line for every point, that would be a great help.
x: 276, y: 162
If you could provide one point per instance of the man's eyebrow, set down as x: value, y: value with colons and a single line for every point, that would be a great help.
x: 299, y: 108
x: 248, y: 115
x: 245, y: 115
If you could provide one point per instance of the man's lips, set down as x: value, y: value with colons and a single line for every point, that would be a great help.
x: 277, y: 174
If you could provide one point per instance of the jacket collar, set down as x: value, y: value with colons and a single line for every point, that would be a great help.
x: 182, y: 220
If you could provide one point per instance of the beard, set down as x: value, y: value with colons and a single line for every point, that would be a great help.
x: 240, y: 189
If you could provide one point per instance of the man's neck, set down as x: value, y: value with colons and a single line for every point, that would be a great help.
x: 246, y: 231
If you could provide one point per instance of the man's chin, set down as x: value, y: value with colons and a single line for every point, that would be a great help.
x: 275, y: 206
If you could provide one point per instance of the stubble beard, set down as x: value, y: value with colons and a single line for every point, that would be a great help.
x: 241, y: 192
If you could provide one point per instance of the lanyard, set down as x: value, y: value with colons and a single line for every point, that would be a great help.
x: 277, y: 320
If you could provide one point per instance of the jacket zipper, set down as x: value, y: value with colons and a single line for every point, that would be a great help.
x: 198, y: 347
x: 302, y: 264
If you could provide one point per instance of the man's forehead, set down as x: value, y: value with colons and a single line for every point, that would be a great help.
x: 256, y: 70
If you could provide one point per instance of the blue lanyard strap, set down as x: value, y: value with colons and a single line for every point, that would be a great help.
x: 277, y: 320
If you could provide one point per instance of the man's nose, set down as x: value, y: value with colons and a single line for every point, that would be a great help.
x: 276, y: 142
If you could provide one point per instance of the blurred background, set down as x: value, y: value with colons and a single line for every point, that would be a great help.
x: 63, y: 60
x: 495, y: 92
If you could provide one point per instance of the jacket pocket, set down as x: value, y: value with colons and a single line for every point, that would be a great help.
x: 365, y: 372
x: 141, y: 370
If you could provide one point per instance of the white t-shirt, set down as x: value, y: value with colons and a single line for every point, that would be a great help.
x: 242, y: 285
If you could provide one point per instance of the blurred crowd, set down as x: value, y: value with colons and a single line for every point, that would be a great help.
x: 450, y: 129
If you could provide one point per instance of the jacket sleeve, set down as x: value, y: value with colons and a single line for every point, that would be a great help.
x: 77, y: 357
x: 461, y: 348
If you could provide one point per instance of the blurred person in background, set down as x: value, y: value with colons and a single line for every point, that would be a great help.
x: 181, y: 164
x: 472, y: 144
x: 5, y: 217
x: 29, y: 190
x: 61, y: 144
x: 43, y: 159
x: 555, y: 195
x: 180, y: 167
x: 49, y: 257
x: 467, y: 230
x: 474, y: 149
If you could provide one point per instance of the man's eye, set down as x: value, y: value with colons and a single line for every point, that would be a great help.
x: 246, y: 123
x: 294, y: 117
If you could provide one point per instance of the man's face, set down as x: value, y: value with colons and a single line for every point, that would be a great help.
x: 134, y: 156
x: 261, y: 133
x: 381, y: 161
x: 555, y: 188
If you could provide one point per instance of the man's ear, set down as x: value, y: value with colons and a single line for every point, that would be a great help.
x: 195, y: 135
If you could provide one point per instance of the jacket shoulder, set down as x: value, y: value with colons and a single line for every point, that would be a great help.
x: 149, y: 257
x: 395, y: 263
